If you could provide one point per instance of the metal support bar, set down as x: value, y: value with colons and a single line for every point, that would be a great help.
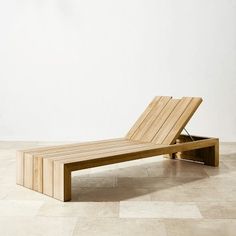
x: 188, y: 134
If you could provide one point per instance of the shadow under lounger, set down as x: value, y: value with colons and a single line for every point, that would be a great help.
x: 156, y: 132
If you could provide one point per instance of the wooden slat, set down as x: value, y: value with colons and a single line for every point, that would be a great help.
x: 171, y: 120
x: 58, y: 186
x: 111, y: 152
x: 82, y: 148
x: 48, y: 177
x: 35, y: 174
x: 150, y: 118
x: 100, y: 151
x: 28, y: 171
x: 182, y: 121
x: 38, y: 174
x: 160, y: 120
x: 20, y: 168
x: 142, y: 117
x: 57, y: 148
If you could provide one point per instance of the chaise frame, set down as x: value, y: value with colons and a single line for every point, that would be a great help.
x: 157, y: 132
x: 205, y: 150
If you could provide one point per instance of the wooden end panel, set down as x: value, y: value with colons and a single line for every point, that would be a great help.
x: 20, y: 167
x: 62, y: 182
x: 48, y: 177
x: 38, y: 174
x: 211, y: 155
x: 28, y: 170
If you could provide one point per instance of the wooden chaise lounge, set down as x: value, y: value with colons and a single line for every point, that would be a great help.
x: 156, y: 132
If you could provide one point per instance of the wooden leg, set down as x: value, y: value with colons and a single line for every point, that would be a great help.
x: 170, y: 156
x: 211, y: 155
x: 62, y: 182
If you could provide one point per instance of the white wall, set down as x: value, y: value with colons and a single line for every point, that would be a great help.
x: 82, y: 70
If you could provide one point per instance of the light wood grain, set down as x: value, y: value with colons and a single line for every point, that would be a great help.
x: 47, y: 150
x: 39, y: 156
x: 171, y: 120
x: 62, y: 182
x: 208, y: 155
x: 48, y: 173
x: 160, y: 121
x: 28, y: 171
x: 49, y: 162
x: 20, y: 168
x: 182, y: 121
x: 38, y: 174
x: 142, y: 117
x: 150, y: 118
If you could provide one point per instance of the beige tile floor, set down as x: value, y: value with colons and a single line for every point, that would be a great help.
x: 153, y: 196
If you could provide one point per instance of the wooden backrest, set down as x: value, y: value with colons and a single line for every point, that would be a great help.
x: 164, y: 119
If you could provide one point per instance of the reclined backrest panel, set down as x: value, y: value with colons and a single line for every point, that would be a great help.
x: 160, y: 121
x: 177, y: 120
x: 164, y: 119
x: 136, y: 130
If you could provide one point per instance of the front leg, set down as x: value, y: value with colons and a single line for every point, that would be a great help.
x: 62, y: 182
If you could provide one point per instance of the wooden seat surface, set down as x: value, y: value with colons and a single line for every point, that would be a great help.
x: 38, y: 159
